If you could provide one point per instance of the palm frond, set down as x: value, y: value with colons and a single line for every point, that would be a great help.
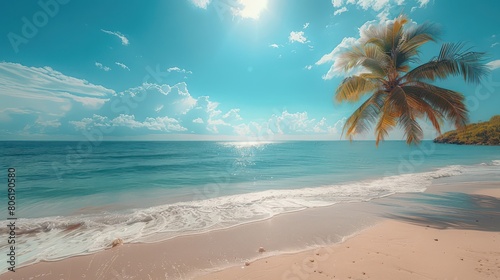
x: 449, y: 103
x: 407, y: 121
x: 368, y: 57
x: 420, y: 105
x: 386, y: 122
x: 386, y: 37
x: 364, y: 116
x: 401, y: 96
x: 353, y: 88
x: 396, y: 32
x: 418, y: 35
x: 452, y: 61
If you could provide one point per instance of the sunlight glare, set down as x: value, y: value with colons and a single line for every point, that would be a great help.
x: 252, y: 8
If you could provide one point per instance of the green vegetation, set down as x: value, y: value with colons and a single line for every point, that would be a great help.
x: 483, y: 133
x: 398, y: 94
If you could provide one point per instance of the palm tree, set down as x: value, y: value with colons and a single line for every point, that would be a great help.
x: 398, y: 94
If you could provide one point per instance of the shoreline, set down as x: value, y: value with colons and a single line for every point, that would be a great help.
x: 254, y: 232
x: 414, y: 251
x: 220, y: 250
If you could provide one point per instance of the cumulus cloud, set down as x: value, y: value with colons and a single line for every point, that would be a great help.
x: 323, y: 127
x: 348, y: 43
x: 198, y: 120
x: 299, y: 123
x: 161, y: 124
x: 308, y: 67
x: 286, y: 125
x: 232, y: 115
x: 102, y: 67
x: 122, y: 65
x: 382, y: 7
x: 335, y: 69
x: 337, y: 3
x: 44, y: 101
x: 179, y: 70
x: 182, y: 113
x: 160, y: 109
x: 297, y: 36
x: 340, y: 11
x: 122, y: 37
x: 274, y: 46
x: 306, y: 25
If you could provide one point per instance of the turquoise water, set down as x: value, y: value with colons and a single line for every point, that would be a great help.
x: 75, y: 197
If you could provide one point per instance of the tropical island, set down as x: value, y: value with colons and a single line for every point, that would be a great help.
x: 482, y: 133
x: 115, y: 170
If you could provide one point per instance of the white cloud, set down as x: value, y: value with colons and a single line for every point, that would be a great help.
x: 423, y: 3
x: 37, y: 98
x: 215, y: 126
x: 122, y: 37
x: 337, y: 3
x: 335, y: 69
x: 102, y: 67
x: 335, y: 129
x: 340, y: 11
x: 293, y: 122
x: 164, y: 124
x: 297, y: 36
x: 46, y: 84
x: 232, y: 115
x: 286, y: 126
x: 309, y: 67
x: 44, y: 101
x: 384, y: 7
x: 198, y: 120
x: 179, y: 70
x: 347, y: 43
x: 122, y: 65
x: 384, y: 14
x: 201, y: 3
x: 163, y: 108
x: 494, y: 44
x: 306, y: 25
x: 299, y: 123
x: 495, y: 64
x: 274, y: 46
x: 249, y: 8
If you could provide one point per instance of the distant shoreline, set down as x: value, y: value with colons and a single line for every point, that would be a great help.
x: 480, y: 134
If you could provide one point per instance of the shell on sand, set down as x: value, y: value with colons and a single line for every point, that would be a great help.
x: 117, y: 242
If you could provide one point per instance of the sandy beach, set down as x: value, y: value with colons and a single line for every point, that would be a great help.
x: 389, y: 250
x: 428, y: 239
x: 250, y: 140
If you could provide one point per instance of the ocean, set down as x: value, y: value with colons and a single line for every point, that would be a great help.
x: 75, y: 198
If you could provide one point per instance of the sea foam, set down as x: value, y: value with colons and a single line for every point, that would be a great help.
x: 54, y: 238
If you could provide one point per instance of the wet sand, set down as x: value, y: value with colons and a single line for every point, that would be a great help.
x: 450, y: 231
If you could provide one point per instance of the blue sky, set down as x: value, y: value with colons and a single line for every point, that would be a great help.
x: 201, y: 69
